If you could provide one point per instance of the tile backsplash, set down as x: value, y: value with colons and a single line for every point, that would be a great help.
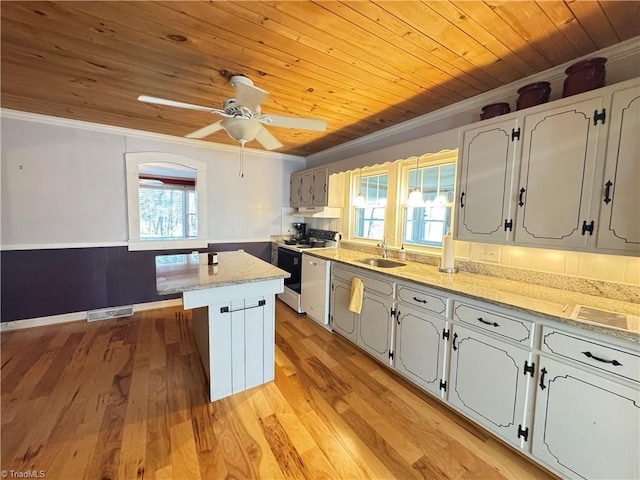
x: 592, y: 266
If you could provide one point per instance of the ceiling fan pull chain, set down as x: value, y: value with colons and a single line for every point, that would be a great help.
x: 242, y: 159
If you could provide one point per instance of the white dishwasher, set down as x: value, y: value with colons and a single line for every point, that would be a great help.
x: 314, y: 293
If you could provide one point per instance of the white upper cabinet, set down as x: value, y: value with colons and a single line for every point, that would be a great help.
x: 306, y: 188
x: 310, y: 188
x: 320, y: 187
x: 557, y: 175
x: 619, y: 225
x: 487, y: 157
x: 295, y: 192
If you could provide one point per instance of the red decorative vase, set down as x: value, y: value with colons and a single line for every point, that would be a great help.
x: 494, y: 109
x: 584, y: 76
x: 533, y: 94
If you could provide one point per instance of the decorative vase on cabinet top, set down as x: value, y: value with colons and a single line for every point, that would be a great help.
x: 494, y: 109
x: 584, y: 76
x: 533, y: 94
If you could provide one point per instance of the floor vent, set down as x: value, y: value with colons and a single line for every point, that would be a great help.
x: 109, y: 313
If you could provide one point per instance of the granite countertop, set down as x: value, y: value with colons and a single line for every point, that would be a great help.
x: 186, y: 272
x: 539, y: 301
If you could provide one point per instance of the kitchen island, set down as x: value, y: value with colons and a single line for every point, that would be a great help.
x: 233, y: 306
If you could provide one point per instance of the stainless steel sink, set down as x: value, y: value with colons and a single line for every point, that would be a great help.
x: 381, y: 262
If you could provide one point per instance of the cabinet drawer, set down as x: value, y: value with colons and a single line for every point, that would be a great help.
x: 512, y: 328
x: 610, y: 359
x: 371, y: 283
x: 419, y: 297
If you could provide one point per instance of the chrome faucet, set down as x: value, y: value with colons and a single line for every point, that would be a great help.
x: 383, y: 244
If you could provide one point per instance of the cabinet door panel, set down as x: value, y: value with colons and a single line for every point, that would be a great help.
x: 558, y: 157
x: 374, y: 329
x: 320, y: 187
x: 343, y: 320
x: 619, y: 226
x: 419, y: 352
x: 294, y: 193
x: 484, y: 198
x: 586, y: 426
x: 488, y: 382
x: 306, y: 189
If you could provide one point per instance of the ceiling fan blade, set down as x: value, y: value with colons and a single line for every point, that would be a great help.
x: 206, y: 131
x: 315, y: 124
x: 248, y: 95
x: 172, y: 103
x: 267, y: 140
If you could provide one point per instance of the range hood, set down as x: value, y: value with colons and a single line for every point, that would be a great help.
x: 318, y: 212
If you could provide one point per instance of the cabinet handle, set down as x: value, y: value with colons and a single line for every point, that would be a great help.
x: 455, y: 336
x: 544, y: 372
x: 495, y: 324
x: 615, y: 363
x: 520, y: 202
x: 261, y: 303
x: 419, y: 301
x: 607, y: 192
x: 462, y: 200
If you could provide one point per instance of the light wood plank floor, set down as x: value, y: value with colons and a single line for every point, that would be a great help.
x: 125, y: 399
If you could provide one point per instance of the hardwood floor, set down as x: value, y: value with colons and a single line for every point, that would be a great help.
x: 124, y: 399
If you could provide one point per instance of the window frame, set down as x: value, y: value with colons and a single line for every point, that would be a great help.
x: 356, y: 176
x: 133, y: 162
x: 424, y: 161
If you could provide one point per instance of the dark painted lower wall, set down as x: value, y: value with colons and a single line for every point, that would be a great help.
x: 39, y: 283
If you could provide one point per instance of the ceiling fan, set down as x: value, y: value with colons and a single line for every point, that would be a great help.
x: 243, y: 119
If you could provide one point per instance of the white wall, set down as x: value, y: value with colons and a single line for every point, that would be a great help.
x: 64, y: 185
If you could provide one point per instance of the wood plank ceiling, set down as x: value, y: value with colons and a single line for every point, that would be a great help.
x: 362, y: 66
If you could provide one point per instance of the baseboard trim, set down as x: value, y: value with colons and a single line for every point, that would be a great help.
x: 79, y: 316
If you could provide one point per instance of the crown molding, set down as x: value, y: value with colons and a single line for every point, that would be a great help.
x: 383, y: 138
x: 129, y: 132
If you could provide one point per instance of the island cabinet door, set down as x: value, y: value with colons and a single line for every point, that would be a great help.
x: 420, y: 348
x: 488, y: 158
x: 343, y: 321
x: 241, y: 339
x: 586, y: 426
x: 488, y: 382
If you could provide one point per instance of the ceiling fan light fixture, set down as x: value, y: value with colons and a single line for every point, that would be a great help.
x: 241, y: 128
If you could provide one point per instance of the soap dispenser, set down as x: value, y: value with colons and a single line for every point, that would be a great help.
x: 402, y: 254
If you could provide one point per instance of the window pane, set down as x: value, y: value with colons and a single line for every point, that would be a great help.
x: 427, y: 225
x: 162, y: 212
x: 369, y: 219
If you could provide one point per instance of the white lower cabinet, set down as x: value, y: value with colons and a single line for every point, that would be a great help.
x: 374, y: 326
x: 343, y: 321
x: 586, y: 426
x: 490, y: 381
x: 563, y: 397
x: 420, y: 348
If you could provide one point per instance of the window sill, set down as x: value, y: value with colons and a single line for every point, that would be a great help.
x: 166, y: 244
